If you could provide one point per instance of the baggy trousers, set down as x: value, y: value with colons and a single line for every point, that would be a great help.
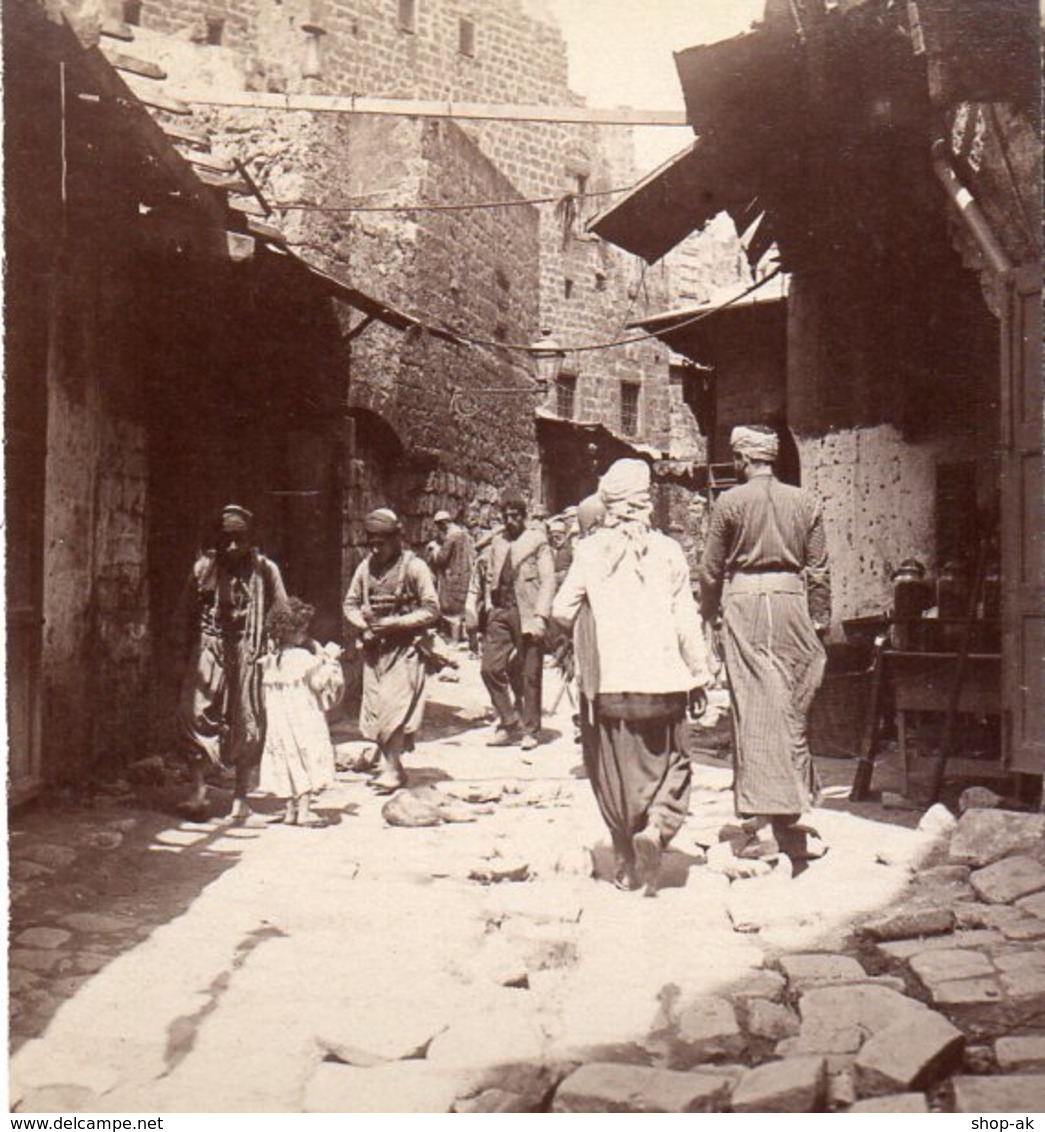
x: 511, y: 669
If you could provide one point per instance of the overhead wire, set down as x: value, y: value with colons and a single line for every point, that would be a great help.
x: 461, y: 206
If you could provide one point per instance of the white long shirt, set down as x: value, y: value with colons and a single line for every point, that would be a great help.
x: 646, y: 622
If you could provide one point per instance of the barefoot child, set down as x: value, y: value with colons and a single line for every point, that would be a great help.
x: 300, y: 681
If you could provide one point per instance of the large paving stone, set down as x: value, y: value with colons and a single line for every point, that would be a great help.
x: 1008, y: 880
x: 1033, y: 905
x: 1020, y: 1052
x: 917, y: 1051
x: 908, y: 923
x: 905, y: 948
x: 1026, y: 988
x: 959, y: 994
x: 493, y: 1036
x: 706, y: 1029
x: 836, y: 1020
x: 36, y: 959
x: 985, y: 836
x: 370, y: 1032
x: 795, y: 1084
x: 45, y: 853
x: 1021, y: 1094
x: 613, y: 1087
x: 1025, y: 931
x: 43, y: 937
x: 96, y: 923
x: 897, y: 1102
x: 812, y: 970
x: 1023, y: 960
x: 934, y: 967
x: 494, y: 1100
x: 402, y: 1086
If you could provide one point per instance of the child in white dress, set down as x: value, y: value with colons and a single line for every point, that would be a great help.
x: 300, y: 681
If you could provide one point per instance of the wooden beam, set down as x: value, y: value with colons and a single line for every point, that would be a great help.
x: 134, y: 66
x: 224, y: 182
x: 117, y: 29
x: 213, y: 163
x: 435, y: 108
x: 179, y: 132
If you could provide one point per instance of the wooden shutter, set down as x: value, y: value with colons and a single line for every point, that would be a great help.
x: 1023, y: 526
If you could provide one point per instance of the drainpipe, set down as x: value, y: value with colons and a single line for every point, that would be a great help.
x: 970, y: 211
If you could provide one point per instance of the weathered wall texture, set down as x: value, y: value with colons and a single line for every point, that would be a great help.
x: 95, y: 591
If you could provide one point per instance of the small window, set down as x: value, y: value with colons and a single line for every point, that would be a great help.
x: 567, y: 288
x: 600, y: 281
x: 580, y: 182
x: 629, y: 408
x: 466, y: 37
x: 566, y: 396
x: 132, y: 12
x: 408, y: 15
x: 215, y: 31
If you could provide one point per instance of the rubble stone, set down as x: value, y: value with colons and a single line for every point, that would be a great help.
x: 985, y: 836
x: 937, y: 820
x: 760, y: 984
x: 39, y: 1066
x: 812, y: 970
x: 706, y: 1028
x: 494, y: 1100
x: 1023, y: 1093
x: 43, y: 937
x: 29, y: 870
x: 795, y: 1084
x: 897, y: 1102
x: 913, y: 1052
x: 934, y: 967
x: 1007, y: 880
x: 1020, y: 1052
x: 614, y: 1087
x: 1020, y: 960
x: 59, y: 1098
x: 770, y: 1020
x: 977, y: 798
x: 911, y: 922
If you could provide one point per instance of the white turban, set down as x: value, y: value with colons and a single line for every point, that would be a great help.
x: 756, y: 443
x: 625, y: 480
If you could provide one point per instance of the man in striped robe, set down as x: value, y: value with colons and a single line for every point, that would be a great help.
x: 765, y: 578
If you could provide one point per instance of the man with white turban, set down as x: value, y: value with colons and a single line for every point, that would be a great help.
x: 765, y: 575
x: 651, y: 667
x: 392, y: 605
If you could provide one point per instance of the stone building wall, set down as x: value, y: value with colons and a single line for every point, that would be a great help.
x: 517, y: 58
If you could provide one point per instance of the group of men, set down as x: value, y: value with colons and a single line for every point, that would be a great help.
x: 639, y: 648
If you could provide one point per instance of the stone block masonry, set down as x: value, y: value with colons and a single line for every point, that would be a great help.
x: 586, y: 289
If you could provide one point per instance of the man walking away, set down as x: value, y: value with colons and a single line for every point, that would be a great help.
x: 392, y: 605
x: 765, y: 576
x: 451, y: 557
x: 652, y: 666
x: 511, y: 595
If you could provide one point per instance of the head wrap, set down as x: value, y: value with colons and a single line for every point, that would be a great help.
x: 235, y: 518
x: 626, y: 480
x: 755, y: 442
x: 383, y: 521
x: 590, y: 513
x: 513, y: 497
x: 441, y: 517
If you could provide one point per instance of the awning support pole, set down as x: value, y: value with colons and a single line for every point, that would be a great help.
x: 971, y: 213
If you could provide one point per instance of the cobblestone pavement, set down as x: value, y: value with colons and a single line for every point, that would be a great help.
x: 477, y: 965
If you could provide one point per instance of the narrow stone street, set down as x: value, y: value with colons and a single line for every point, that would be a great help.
x: 476, y: 965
